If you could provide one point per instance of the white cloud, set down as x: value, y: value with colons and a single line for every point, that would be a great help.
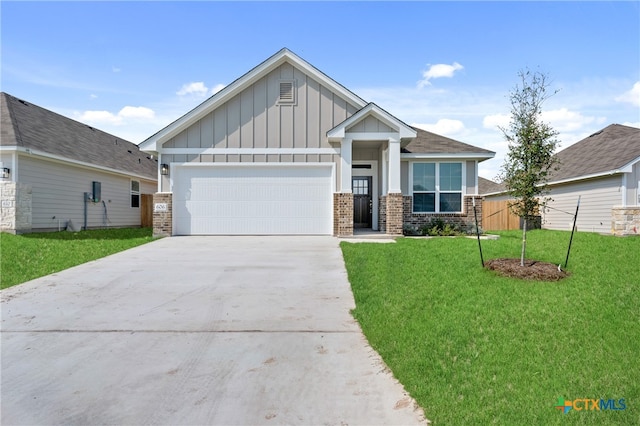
x: 443, y: 126
x: 564, y: 120
x: 116, y: 69
x: 438, y: 71
x: 496, y: 120
x: 199, y: 89
x: 195, y: 88
x: 629, y: 123
x: 93, y: 96
x: 99, y: 117
x: 136, y: 112
x: 217, y: 88
x: 632, y: 96
x: 124, y: 116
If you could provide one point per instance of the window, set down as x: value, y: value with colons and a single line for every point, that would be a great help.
x: 437, y: 187
x: 135, y: 194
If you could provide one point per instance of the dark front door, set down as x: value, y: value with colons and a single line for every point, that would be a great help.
x: 361, y: 187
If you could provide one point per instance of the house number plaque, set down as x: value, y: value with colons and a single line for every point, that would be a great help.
x: 160, y: 207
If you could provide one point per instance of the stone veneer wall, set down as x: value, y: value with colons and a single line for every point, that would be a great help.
x: 342, y: 214
x: 394, y: 214
x: 163, y: 221
x: 625, y: 220
x: 465, y: 220
x: 15, y: 207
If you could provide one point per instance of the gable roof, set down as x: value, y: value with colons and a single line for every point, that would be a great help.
x: 374, y: 110
x: 605, y: 152
x: 28, y: 126
x: 279, y: 58
x: 486, y: 186
x: 436, y: 145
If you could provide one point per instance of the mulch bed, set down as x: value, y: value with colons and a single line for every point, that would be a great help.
x: 532, y: 269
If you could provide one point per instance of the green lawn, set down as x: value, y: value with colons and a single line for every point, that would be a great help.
x: 475, y: 348
x: 28, y: 256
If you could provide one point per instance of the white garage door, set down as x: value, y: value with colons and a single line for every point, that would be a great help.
x: 252, y: 200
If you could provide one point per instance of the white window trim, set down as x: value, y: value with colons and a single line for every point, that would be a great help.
x: 462, y: 191
x: 132, y: 192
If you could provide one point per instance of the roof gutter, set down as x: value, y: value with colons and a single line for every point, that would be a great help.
x: 29, y: 151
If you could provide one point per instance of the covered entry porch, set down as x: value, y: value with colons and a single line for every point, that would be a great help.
x: 369, y: 195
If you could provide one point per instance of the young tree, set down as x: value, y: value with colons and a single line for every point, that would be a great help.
x: 532, y: 142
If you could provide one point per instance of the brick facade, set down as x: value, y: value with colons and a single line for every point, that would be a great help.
x: 15, y: 210
x: 163, y: 220
x: 625, y: 220
x: 394, y: 214
x: 382, y: 214
x: 342, y: 214
x: 465, y: 220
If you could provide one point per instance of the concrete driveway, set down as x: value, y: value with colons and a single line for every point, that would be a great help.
x: 196, y: 331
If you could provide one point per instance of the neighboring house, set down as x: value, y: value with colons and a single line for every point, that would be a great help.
x: 604, y: 170
x: 49, y: 164
x: 285, y: 149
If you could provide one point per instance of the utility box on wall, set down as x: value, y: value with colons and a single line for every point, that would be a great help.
x: 96, y: 191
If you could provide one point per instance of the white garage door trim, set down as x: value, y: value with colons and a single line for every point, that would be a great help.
x: 255, y: 198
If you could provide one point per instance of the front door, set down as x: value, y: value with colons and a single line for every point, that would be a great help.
x: 361, y: 187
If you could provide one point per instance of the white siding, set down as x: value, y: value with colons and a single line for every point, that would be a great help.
x: 598, y: 196
x: 58, y: 194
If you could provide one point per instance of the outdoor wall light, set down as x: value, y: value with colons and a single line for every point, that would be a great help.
x: 5, y: 172
x: 164, y: 169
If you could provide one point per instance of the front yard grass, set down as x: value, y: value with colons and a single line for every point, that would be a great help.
x: 476, y: 348
x: 28, y: 256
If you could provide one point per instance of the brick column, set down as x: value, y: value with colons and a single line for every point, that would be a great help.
x: 342, y: 214
x: 394, y: 213
x: 468, y: 209
x: 382, y: 214
x: 162, y: 214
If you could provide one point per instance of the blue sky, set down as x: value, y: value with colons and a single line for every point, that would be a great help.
x: 130, y: 68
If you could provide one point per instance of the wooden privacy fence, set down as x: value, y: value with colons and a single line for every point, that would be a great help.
x: 496, y: 216
x: 146, y: 210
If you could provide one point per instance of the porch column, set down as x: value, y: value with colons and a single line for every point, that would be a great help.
x: 394, y: 166
x: 345, y: 165
x: 343, y: 200
x: 385, y: 171
x: 394, y: 200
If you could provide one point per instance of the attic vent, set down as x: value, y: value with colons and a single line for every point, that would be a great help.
x: 287, y: 92
x: 23, y: 102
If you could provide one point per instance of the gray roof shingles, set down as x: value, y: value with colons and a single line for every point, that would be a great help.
x: 431, y: 143
x: 486, y: 186
x: 27, y: 125
x: 605, y: 151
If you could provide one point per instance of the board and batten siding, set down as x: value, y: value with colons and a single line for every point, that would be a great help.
x: 598, y: 196
x: 58, y: 195
x: 255, y: 119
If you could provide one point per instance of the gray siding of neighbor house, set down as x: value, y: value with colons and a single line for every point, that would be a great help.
x: 255, y: 119
x: 633, y: 194
x: 598, y: 196
x: 58, y: 193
